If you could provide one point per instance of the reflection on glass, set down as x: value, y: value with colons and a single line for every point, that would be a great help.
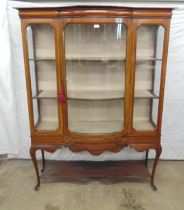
x: 41, y: 51
x: 150, y: 39
x: 95, y: 73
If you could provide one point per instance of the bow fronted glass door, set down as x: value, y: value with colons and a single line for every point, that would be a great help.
x: 95, y: 66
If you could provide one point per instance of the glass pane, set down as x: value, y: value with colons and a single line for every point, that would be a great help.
x: 41, y: 50
x: 95, y: 73
x: 150, y: 39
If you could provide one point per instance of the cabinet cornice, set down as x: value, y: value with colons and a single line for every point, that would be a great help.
x: 94, y: 11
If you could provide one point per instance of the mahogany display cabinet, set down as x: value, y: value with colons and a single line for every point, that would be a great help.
x: 95, y: 82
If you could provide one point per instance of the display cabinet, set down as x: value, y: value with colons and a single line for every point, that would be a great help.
x: 95, y: 82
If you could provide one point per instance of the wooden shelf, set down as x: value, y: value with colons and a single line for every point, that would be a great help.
x: 107, y: 94
x: 94, y: 95
x: 96, y: 126
x: 43, y: 59
x: 147, y: 59
x: 144, y: 94
x: 107, y: 126
x: 107, y: 57
x: 48, y: 125
x: 95, y: 57
x: 46, y: 94
x: 143, y: 125
x: 92, y: 170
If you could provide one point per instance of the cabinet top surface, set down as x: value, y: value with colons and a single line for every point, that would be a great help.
x: 119, y: 3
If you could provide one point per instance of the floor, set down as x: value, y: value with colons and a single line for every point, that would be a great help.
x: 17, y: 178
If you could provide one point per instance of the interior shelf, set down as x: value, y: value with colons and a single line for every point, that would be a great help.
x: 143, y: 124
x: 96, y: 126
x: 47, y: 125
x: 94, y: 57
x: 141, y: 94
x: 95, y: 94
x: 107, y: 126
x: 46, y: 94
x: 43, y: 59
x: 106, y: 94
x: 145, y: 58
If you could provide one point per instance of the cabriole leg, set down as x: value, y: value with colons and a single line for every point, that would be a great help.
x: 43, y: 160
x: 158, y: 153
x: 33, y: 157
x: 146, y: 158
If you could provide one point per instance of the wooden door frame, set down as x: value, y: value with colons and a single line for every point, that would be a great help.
x: 95, y: 20
x: 137, y: 23
x: 54, y: 24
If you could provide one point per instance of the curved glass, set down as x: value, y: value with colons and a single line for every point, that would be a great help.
x: 95, y: 73
x: 41, y: 51
x: 150, y: 40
